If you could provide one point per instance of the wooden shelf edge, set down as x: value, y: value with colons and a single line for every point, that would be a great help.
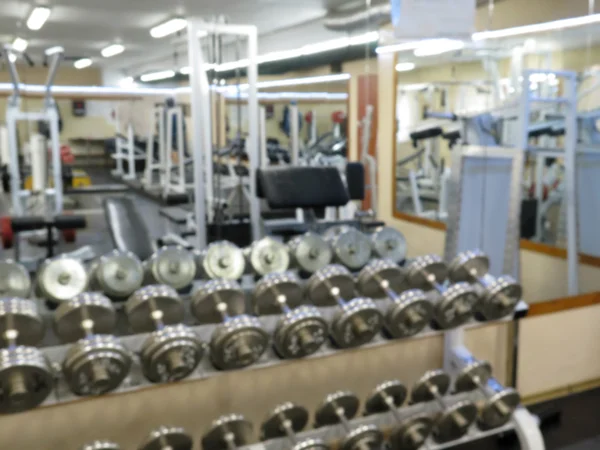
x: 564, y: 304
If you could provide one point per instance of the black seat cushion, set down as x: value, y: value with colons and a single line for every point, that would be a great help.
x: 127, y: 227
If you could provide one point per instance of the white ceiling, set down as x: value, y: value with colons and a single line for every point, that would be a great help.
x: 84, y: 27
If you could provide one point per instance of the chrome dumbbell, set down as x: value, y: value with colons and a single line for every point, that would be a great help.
x: 117, y: 274
x: 98, y: 362
x: 409, y: 433
x: 341, y: 407
x: 101, y: 445
x: 350, y: 247
x: 500, y: 402
x: 453, y: 421
x: 358, y: 320
x: 286, y: 420
x: 26, y: 378
x: 167, y: 438
x: 411, y: 310
x: 499, y: 296
x: 220, y: 260
x: 14, y: 280
x: 389, y: 243
x: 228, y: 433
x: 454, y: 306
x: 309, y: 252
x: 302, y: 330
x: 173, y: 350
x: 60, y: 279
x: 267, y: 256
x: 240, y: 339
x: 171, y: 266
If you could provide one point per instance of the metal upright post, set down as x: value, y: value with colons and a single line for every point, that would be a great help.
x: 130, y: 153
x: 264, y: 157
x: 181, y: 139
x: 294, y: 133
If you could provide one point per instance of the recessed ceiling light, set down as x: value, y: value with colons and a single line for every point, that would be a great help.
x: 155, y: 76
x: 20, y: 45
x: 82, y: 63
x: 112, y: 50
x: 37, y: 17
x: 169, y: 27
x: 405, y: 67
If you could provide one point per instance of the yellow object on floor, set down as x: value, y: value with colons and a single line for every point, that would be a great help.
x: 80, y: 179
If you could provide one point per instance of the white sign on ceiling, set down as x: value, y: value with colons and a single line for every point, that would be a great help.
x: 424, y: 19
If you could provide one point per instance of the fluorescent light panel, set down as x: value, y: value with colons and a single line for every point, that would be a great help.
x: 37, y: 18
x: 20, y: 44
x: 405, y: 67
x: 82, y: 63
x: 54, y: 50
x: 112, y: 50
x: 169, y: 27
x: 289, y: 82
x: 434, y: 47
x: 155, y: 76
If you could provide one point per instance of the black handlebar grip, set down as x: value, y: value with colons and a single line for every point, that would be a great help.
x: 70, y: 222
x: 27, y: 223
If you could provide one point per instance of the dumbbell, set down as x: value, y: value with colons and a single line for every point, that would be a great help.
x: 411, y: 310
x: 389, y: 243
x: 101, y: 445
x: 500, y: 295
x: 26, y: 378
x: 350, y: 247
x: 358, y: 320
x: 239, y: 340
x: 167, y: 438
x: 309, y: 252
x: 14, y: 279
x: 286, y: 420
x: 171, y: 266
x: 500, y: 402
x: 228, y: 433
x: 409, y: 433
x: 60, y: 279
x: 172, y: 350
x: 118, y: 274
x: 220, y: 260
x: 302, y: 329
x: 267, y: 256
x: 339, y: 408
x: 454, y: 307
x: 98, y: 362
x: 453, y: 421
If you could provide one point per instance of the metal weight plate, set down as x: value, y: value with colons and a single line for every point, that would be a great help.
x: 23, y: 316
x: 273, y: 285
x: 208, y: 295
x: 333, y: 231
x: 310, y: 252
x: 389, y: 243
x: 94, y: 306
x: 272, y: 427
x: 268, y: 255
x: 363, y: 437
x: 222, y: 260
x: 300, y: 332
x: 62, y: 278
x: 411, y: 433
x: 311, y: 444
x: 410, y: 313
x: 96, y: 365
x: 425, y: 271
x: 468, y: 266
x: 377, y: 402
x: 351, y: 247
x: 171, y: 354
x: 455, y: 306
x: 500, y: 298
x: 477, y: 372
x: 101, y: 445
x: 319, y: 285
x: 454, y: 422
x: 326, y: 414
x: 145, y: 301
x: 422, y: 390
x: 380, y: 274
x: 168, y: 437
x: 118, y: 274
x: 234, y: 428
x: 356, y: 323
x: 173, y: 266
x: 26, y: 379
x: 14, y: 280
x: 498, y: 409
x: 237, y: 343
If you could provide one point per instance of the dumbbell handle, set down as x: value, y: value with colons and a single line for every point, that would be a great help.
x: 359, y: 326
x: 339, y: 411
x: 459, y: 419
x: 502, y: 408
x: 432, y: 281
x: 412, y: 316
x: 157, y: 314
x: 389, y: 401
x: 485, y: 281
x: 230, y: 440
x: 305, y: 336
x: 286, y: 424
x: 99, y: 373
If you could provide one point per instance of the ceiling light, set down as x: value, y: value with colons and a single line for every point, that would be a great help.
x: 432, y: 47
x: 405, y: 67
x: 112, y: 50
x: 127, y: 82
x: 54, y: 50
x: 155, y: 76
x: 12, y: 57
x: 37, y: 18
x: 185, y: 70
x: 169, y: 27
x: 403, y: 47
x: 19, y: 45
x: 366, y: 38
x: 82, y: 63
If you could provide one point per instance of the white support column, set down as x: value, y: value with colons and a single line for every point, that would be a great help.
x: 181, y: 150
x: 56, y: 163
x: 130, y: 153
x: 294, y: 134
x: 264, y: 157
x: 169, y: 155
